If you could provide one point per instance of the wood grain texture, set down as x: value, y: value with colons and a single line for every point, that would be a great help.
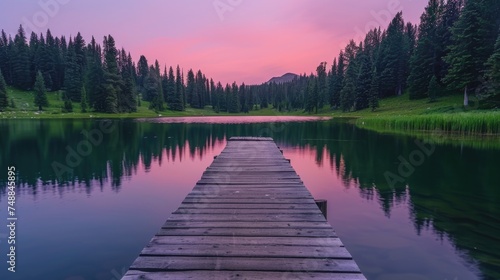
x: 248, y: 217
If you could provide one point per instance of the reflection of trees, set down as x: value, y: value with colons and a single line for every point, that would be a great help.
x: 455, y: 192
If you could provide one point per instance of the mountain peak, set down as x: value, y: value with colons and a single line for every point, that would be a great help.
x: 288, y: 77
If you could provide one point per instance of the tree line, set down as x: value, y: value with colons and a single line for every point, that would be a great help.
x: 454, y: 49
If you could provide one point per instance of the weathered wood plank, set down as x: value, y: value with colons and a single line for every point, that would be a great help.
x: 239, y: 263
x: 245, y: 240
x: 249, y: 200
x: 248, y: 206
x: 237, y: 211
x: 238, y: 224
x: 255, y: 251
x: 249, y: 275
x: 248, y: 217
x: 274, y: 232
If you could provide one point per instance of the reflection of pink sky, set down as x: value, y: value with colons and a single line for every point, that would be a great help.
x: 255, y: 40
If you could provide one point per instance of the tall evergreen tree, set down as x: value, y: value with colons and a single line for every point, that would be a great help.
x: 178, y: 103
x: 340, y: 80
x: 84, y: 102
x: 153, y: 89
x: 422, y: 63
x: 374, y: 90
x: 127, y: 99
x: 4, y: 100
x: 322, y: 85
x: 472, y: 45
x: 191, y: 90
x: 73, y: 80
x: 95, y: 77
x: 21, y: 61
x: 171, y: 92
x: 112, y: 78
x: 493, y: 71
x: 40, y: 92
x: 393, y: 58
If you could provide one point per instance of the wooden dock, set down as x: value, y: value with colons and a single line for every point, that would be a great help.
x: 248, y: 217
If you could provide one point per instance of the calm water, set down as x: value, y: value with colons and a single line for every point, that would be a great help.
x: 439, y: 220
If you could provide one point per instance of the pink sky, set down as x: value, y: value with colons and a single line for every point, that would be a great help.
x: 250, y: 41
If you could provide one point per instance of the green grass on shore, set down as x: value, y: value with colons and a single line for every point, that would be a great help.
x: 447, y: 114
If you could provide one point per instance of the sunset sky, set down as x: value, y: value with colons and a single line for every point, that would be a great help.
x: 229, y: 40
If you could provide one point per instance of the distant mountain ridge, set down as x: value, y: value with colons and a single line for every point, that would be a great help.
x: 288, y: 77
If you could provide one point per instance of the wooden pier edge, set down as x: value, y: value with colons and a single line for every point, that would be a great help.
x: 248, y: 217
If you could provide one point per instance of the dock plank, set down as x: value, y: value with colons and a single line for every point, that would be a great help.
x: 248, y: 217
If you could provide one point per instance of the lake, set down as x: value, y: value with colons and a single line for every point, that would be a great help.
x: 405, y: 209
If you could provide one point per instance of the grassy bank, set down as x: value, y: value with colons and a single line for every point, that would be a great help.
x: 396, y: 114
x: 25, y: 109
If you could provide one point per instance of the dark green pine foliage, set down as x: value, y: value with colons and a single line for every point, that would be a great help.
x: 473, y: 39
x: 243, y: 98
x: 433, y: 89
x: 340, y: 81
x: 332, y: 82
x: 164, y: 84
x: 178, y: 104
x: 348, y: 92
x: 4, y: 100
x: 170, y: 89
x: 222, y: 97
x: 493, y: 72
x: 153, y: 89
x: 21, y: 61
x: 5, y: 65
x: 34, y: 44
x: 73, y: 81
x: 422, y: 63
x: 312, y: 90
x: 40, y: 92
x: 95, y: 77
x: 143, y: 71
x: 199, y: 93
x: 214, y: 101
x: 84, y: 102
x: 233, y: 104
x: 322, y: 85
x: 68, y: 105
x: 393, y: 56
x: 191, y: 90
x: 127, y: 99
x: 374, y: 90
x: 112, y: 78
x: 364, y: 81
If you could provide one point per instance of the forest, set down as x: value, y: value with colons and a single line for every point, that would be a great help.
x: 454, y: 50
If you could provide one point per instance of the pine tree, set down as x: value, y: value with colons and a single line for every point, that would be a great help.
x: 322, y: 85
x: 374, y: 90
x: 4, y: 100
x: 340, y: 80
x: 152, y: 87
x: 433, y: 89
x: 40, y: 92
x: 472, y: 45
x: 95, y: 78
x: 493, y: 70
x: 68, y: 105
x: 170, y: 89
x: 393, y: 58
x: 177, y: 103
x: 72, y: 77
x: 84, y: 102
x: 364, y: 82
x: 127, y: 98
x: 112, y: 79
x: 21, y: 61
x: 422, y: 63
x: 191, y: 89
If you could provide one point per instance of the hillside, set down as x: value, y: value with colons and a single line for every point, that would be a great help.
x: 288, y: 77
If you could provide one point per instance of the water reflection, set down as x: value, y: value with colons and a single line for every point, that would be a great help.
x: 454, y: 193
